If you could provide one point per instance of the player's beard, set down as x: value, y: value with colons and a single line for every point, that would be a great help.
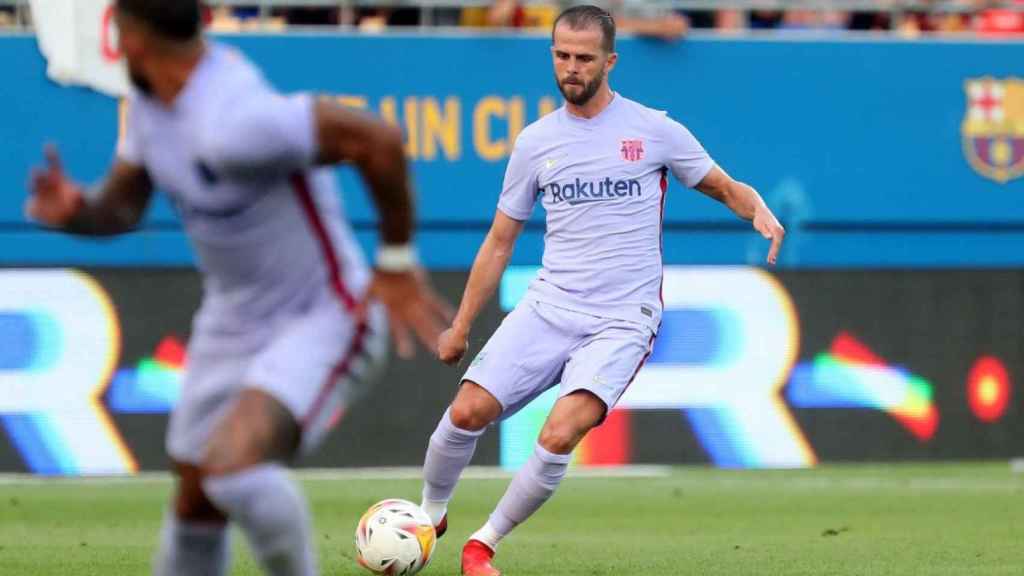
x: 140, y: 81
x: 584, y: 95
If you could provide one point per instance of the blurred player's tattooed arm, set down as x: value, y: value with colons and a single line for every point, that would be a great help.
x: 376, y: 150
x: 116, y: 206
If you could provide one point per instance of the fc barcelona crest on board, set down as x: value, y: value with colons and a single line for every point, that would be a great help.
x: 993, y: 128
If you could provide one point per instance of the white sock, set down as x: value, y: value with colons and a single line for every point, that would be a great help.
x: 192, y: 548
x: 488, y: 535
x: 535, y: 482
x: 448, y: 453
x: 436, y: 510
x: 272, y: 512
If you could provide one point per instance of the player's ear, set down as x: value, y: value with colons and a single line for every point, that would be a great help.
x: 610, y: 63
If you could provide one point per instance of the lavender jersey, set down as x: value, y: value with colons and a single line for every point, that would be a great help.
x: 602, y: 182
x: 236, y: 160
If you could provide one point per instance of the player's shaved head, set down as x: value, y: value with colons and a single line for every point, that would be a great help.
x: 585, y: 16
x: 173, y: 20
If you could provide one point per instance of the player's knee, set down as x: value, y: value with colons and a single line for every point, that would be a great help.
x: 474, y: 408
x: 232, y: 449
x: 191, y: 502
x: 467, y: 416
x: 258, y: 430
x: 560, y: 438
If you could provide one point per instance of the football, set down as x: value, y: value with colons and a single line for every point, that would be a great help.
x: 394, y: 537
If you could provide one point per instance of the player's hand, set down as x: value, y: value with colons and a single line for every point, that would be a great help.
x: 54, y: 199
x: 769, y: 227
x: 452, y: 345
x: 412, y: 307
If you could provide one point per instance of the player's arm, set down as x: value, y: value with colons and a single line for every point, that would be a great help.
x: 375, y: 149
x: 116, y: 207
x: 488, y: 267
x: 746, y: 203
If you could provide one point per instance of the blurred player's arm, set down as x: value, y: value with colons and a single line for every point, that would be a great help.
x: 746, y: 203
x: 488, y: 267
x: 375, y: 148
x: 116, y: 207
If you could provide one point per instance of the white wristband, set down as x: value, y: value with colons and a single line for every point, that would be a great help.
x: 396, y: 258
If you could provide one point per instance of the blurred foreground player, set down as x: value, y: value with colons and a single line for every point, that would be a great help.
x: 599, y: 166
x: 285, y: 331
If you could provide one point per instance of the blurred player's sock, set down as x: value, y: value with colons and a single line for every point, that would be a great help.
x: 195, y: 548
x: 535, y: 482
x: 272, y: 512
x: 448, y: 454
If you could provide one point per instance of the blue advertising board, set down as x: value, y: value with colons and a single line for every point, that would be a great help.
x: 874, y: 153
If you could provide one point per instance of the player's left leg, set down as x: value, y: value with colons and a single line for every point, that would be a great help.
x: 569, y: 421
x: 299, y: 386
x: 598, y: 373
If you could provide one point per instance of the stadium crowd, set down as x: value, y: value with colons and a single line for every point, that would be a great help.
x: 653, y: 17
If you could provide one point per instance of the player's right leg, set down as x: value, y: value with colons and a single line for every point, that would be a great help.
x: 522, y: 359
x: 451, y: 448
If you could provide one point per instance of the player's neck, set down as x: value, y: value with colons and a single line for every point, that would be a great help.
x: 594, y: 106
x: 175, y: 73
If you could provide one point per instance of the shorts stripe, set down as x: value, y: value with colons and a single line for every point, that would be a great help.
x: 650, y: 348
x: 340, y: 369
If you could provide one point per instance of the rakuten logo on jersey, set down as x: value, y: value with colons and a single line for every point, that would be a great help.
x: 578, y: 192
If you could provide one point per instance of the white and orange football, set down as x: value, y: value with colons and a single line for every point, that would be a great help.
x: 394, y: 537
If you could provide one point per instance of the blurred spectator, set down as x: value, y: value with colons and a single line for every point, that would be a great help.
x: 226, y: 19
x: 951, y: 22
x: 379, y: 18
x: 730, y: 20
x: 870, y: 21
x: 815, y: 20
x: 765, y: 19
x: 701, y: 18
x: 8, y: 17
x: 510, y: 14
x: 1000, y: 21
x: 309, y: 16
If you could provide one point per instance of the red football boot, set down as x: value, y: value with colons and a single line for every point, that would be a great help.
x: 441, y: 527
x: 476, y: 560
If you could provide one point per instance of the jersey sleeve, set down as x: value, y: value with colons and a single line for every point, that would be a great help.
x: 129, y: 145
x: 519, y: 190
x: 686, y: 158
x: 268, y: 133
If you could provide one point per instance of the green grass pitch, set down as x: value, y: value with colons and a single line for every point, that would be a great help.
x: 934, y: 519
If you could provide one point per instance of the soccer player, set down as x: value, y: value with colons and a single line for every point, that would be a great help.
x: 285, y: 333
x: 598, y: 165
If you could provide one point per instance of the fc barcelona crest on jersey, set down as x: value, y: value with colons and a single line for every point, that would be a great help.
x: 993, y: 129
x: 632, y: 150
